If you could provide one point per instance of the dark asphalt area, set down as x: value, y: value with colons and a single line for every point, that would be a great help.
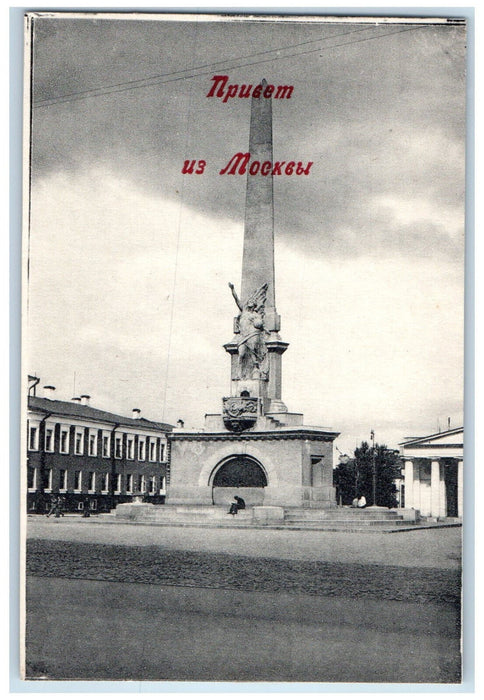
x: 188, y: 604
x: 99, y: 630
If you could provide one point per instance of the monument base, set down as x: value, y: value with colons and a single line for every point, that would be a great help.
x: 270, y: 465
x: 134, y: 511
x: 268, y: 515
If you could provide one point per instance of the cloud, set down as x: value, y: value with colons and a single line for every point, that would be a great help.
x: 378, y: 118
x: 129, y: 291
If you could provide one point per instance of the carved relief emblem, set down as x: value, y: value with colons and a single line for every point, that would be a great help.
x: 235, y: 407
x: 239, y: 412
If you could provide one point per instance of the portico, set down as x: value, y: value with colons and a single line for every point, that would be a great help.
x: 433, y: 474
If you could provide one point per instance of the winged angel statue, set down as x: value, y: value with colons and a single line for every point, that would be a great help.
x: 250, y: 324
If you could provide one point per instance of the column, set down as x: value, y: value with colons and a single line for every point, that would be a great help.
x: 416, y: 484
x: 443, y: 490
x: 435, y: 488
x: 408, y: 480
x: 460, y: 488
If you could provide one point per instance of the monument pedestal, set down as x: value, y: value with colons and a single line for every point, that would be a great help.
x: 268, y: 465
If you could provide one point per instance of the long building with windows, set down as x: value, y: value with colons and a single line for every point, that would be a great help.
x: 92, y: 458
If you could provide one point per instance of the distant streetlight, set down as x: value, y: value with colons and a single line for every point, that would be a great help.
x: 372, y: 436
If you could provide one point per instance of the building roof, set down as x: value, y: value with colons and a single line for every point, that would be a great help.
x: 70, y: 409
x: 435, y: 437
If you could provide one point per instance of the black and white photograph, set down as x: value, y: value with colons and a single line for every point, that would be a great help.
x: 243, y: 348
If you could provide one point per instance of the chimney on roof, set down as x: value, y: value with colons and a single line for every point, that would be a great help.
x: 180, y: 423
x: 33, y: 381
x: 76, y: 399
x: 85, y: 398
x: 49, y: 391
x: 136, y: 413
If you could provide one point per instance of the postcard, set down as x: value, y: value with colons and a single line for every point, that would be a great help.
x: 243, y: 348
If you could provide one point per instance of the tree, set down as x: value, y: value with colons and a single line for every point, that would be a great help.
x: 354, y: 477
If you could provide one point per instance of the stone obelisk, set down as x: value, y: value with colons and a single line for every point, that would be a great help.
x: 258, y: 267
x: 258, y: 256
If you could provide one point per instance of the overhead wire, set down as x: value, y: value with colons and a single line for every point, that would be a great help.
x: 204, y: 65
x: 99, y: 92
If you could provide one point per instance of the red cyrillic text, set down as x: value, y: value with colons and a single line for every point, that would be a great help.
x: 237, y: 165
x: 189, y: 167
x: 226, y: 92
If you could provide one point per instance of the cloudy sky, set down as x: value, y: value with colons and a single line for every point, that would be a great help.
x: 129, y: 259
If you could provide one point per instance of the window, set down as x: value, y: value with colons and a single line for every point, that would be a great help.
x: 33, y: 437
x: 49, y: 480
x: 49, y: 439
x: 129, y: 483
x: 31, y: 479
x: 79, y: 441
x: 118, y: 447
x: 64, y: 440
x: 62, y: 479
x: 141, y: 449
x: 77, y: 480
x: 152, y: 449
x: 130, y: 447
x: 162, y: 486
x: 106, y: 445
x: 141, y: 483
x: 152, y: 484
x: 92, y: 443
x: 91, y: 484
x: 117, y: 487
x: 162, y: 452
x: 104, y: 483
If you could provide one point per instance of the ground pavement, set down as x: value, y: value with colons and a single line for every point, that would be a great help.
x: 110, y: 601
x: 423, y: 548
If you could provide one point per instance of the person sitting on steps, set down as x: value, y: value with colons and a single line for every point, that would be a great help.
x: 238, y: 504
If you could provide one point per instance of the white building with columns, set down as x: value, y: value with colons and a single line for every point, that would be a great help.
x: 433, y: 473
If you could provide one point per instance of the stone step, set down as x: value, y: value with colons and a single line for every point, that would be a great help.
x: 197, y: 515
x: 295, y: 518
x: 201, y: 510
x: 275, y: 422
x: 338, y: 514
x: 348, y: 525
x: 330, y: 526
